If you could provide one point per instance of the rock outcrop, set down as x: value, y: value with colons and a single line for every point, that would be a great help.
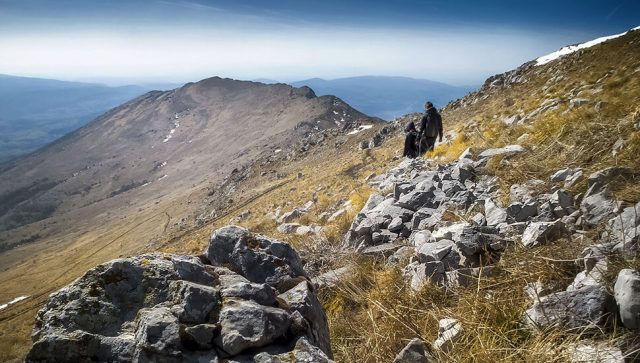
x: 247, y: 299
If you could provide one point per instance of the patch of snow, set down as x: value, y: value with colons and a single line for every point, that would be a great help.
x: 572, y: 48
x: 359, y: 129
x: 335, y: 112
x: 19, y: 298
x: 277, y: 151
x: 162, y: 177
x: 145, y: 184
x: 167, y: 138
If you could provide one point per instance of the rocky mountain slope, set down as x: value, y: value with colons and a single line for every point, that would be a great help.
x: 37, y: 111
x: 145, y: 172
x: 515, y: 240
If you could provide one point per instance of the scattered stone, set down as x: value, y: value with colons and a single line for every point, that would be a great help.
x: 384, y: 250
x: 423, y: 273
x: 627, y: 295
x: 288, y: 228
x: 330, y: 278
x: 597, y: 208
x: 597, y: 353
x: 579, y: 309
x: 413, y: 352
x: 506, y: 151
x: 538, y: 233
x: 518, y: 212
x: 494, y: 214
x: 449, y: 332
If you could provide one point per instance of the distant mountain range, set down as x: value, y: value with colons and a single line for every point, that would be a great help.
x: 36, y: 111
x: 387, y: 97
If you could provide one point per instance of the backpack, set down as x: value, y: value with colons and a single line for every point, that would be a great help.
x: 433, y: 122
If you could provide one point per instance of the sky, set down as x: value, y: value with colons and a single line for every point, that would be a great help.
x: 149, y: 41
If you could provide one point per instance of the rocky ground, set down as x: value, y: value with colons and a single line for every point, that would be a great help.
x: 246, y: 299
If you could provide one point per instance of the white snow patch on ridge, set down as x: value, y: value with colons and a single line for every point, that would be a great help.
x: 572, y: 48
x: 361, y: 128
x: 19, y: 298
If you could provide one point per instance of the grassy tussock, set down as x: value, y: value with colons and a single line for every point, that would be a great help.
x: 373, y: 313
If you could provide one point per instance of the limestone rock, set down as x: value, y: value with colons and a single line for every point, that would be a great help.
x: 246, y: 324
x: 254, y: 256
x: 538, y: 233
x: 168, y: 308
x: 506, y: 151
x: 627, y: 295
x: 449, y: 332
x: 493, y: 213
x: 587, y: 307
x: 413, y: 352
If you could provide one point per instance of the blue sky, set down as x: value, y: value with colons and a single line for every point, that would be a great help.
x: 136, y: 41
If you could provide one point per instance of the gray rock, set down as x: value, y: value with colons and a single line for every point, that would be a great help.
x: 597, y: 208
x: 452, y: 232
x: 493, y: 213
x: 523, y: 193
x: 591, y: 277
x: 475, y: 240
x: 435, y: 251
x: 625, y: 229
x: 538, y: 233
x: 449, y: 332
x: 246, y: 324
x: 416, y: 199
x: 201, y: 335
x: 627, y: 295
x: 464, y: 277
x: 382, y: 250
x: 303, y: 352
x: 288, y: 228
x: 291, y: 216
x: 597, y: 353
x: 302, y: 299
x: 423, y: 273
x: 190, y: 268
x: 236, y: 286
x: 577, y: 102
x: 479, y: 220
x: 587, y: 307
x: 518, y: 212
x: 383, y: 237
x: 506, y: 151
x: 396, y: 224
x: 157, y: 333
x: 330, y: 278
x: 254, y: 256
x: 413, y: 352
x: 167, y: 308
x: 194, y: 302
x: 561, y: 175
x: 419, y: 238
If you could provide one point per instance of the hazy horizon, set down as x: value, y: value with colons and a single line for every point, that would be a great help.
x: 177, y: 41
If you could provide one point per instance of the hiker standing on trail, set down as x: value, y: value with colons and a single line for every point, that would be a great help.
x: 410, y: 147
x: 430, y: 128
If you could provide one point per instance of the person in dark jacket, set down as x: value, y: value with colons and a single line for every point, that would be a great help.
x: 430, y: 128
x: 410, y: 147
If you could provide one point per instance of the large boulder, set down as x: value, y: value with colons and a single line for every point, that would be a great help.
x: 170, y: 308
